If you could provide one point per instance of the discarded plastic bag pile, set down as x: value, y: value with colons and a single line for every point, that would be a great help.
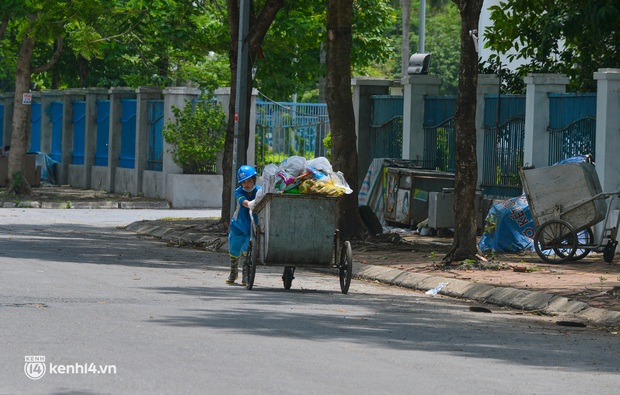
x: 296, y: 175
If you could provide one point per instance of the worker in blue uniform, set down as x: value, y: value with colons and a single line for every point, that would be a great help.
x: 239, y: 232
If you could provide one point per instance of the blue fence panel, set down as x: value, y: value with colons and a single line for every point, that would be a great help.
x: 56, y: 117
x: 439, y: 133
x: 35, y: 128
x: 386, y: 126
x: 504, y: 134
x: 572, y: 125
x: 502, y: 158
x: 128, y: 133
x: 285, y: 129
x: 79, y: 132
x: 156, y: 136
x: 510, y: 106
x: 2, y: 125
x: 103, y: 132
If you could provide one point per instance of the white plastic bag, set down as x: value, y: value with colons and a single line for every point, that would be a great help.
x: 321, y: 164
x: 338, y: 179
x: 294, y: 165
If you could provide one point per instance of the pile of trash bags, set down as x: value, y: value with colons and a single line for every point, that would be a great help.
x: 296, y: 175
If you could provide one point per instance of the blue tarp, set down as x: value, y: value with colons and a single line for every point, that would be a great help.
x: 509, y: 227
x: 48, y: 167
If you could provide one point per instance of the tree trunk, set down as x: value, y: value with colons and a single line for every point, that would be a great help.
x: 19, y: 137
x: 464, y: 245
x: 340, y: 108
x: 257, y: 30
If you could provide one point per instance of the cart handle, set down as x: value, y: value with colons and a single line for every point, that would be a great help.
x: 570, y: 207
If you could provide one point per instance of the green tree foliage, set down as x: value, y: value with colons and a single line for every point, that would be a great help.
x: 442, y: 41
x: 124, y: 43
x: 573, y: 37
x: 196, y: 135
x: 292, y: 57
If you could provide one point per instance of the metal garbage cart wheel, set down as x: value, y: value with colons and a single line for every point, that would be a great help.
x: 288, y: 276
x: 610, y: 250
x: 251, y: 260
x: 584, y: 238
x: 345, y: 266
x: 553, y: 236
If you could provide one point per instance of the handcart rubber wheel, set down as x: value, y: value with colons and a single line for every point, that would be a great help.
x: 288, y: 276
x: 553, y: 236
x: 346, y: 266
x: 251, y: 263
x: 585, y: 237
x: 610, y: 250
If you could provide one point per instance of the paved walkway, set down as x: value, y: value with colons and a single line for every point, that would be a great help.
x: 497, y: 288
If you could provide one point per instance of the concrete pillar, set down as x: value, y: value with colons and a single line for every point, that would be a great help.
x: 174, y: 96
x: 415, y: 88
x: 608, y: 128
x: 69, y: 96
x: 114, y: 145
x: 144, y: 95
x: 487, y: 84
x: 47, y: 97
x: 536, y: 142
x: 363, y: 88
x: 608, y: 141
x: 222, y: 95
x: 7, y: 122
x: 90, y: 133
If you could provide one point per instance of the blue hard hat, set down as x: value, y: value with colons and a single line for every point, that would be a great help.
x: 245, y: 172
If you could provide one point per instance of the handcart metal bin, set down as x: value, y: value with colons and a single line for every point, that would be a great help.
x: 565, y: 201
x: 298, y: 231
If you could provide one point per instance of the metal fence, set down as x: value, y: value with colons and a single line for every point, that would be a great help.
x: 439, y: 133
x: 504, y: 134
x: 572, y: 125
x: 386, y: 126
x: 286, y: 128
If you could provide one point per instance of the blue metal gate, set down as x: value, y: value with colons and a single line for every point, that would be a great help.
x: 2, y: 125
x: 572, y: 125
x: 386, y: 126
x: 439, y: 133
x: 155, y: 158
x: 56, y: 116
x: 128, y: 133
x: 35, y: 128
x: 504, y: 134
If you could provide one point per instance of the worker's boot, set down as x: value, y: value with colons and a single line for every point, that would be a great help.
x: 234, y: 270
x: 244, y: 273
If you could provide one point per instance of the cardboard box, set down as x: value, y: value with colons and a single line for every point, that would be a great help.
x: 32, y: 172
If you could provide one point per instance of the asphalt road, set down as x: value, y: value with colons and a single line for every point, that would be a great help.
x: 113, y: 312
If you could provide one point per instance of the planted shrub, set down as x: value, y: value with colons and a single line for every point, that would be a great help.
x: 196, y: 136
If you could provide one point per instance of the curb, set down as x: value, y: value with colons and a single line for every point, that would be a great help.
x: 156, y: 205
x: 548, y: 304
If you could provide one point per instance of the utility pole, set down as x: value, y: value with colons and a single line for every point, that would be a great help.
x: 422, y: 37
x: 241, y: 115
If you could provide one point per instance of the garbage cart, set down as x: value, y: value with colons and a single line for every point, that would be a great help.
x: 298, y: 231
x: 566, y: 201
